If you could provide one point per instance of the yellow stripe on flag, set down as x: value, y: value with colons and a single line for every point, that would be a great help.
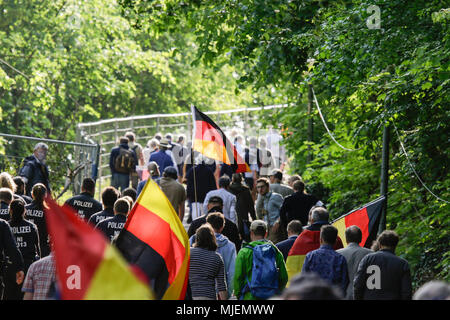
x: 294, y: 265
x: 211, y: 149
x: 340, y: 225
x: 114, y: 280
x: 154, y: 200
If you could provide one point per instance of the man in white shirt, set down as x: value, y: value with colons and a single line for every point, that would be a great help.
x: 229, y: 199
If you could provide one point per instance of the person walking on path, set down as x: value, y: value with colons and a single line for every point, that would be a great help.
x: 109, y: 197
x: 353, y: 254
x: 111, y: 227
x: 135, y: 176
x: 122, y: 162
x: 6, y: 196
x: 276, y: 185
x: 297, y: 205
x: 8, y: 249
x: 229, y: 199
x: 260, y: 271
x: 327, y: 263
x: 27, y: 240
x: 36, y: 214
x: 230, y: 230
x: 174, y: 191
x: 270, y: 208
x: 294, y: 228
x: 162, y: 157
x: 206, y: 267
x: 382, y: 275
x: 198, y: 184
x: 20, y: 190
x: 154, y: 174
x: 84, y: 203
x: 245, y: 207
x: 40, y: 279
x: 308, y: 240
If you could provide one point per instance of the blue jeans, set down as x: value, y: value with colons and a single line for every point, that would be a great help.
x: 120, y: 180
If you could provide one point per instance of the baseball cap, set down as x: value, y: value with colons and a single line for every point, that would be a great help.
x: 258, y: 224
x: 277, y: 174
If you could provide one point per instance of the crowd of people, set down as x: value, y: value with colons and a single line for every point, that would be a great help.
x: 241, y: 227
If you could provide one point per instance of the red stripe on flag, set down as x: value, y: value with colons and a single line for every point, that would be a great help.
x: 307, y: 241
x: 162, y: 239
x: 205, y: 131
x: 77, y: 247
x: 361, y: 219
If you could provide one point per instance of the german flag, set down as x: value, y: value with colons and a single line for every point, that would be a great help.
x: 154, y: 239
x: 210, y: 140
x: 87, y: 266
x: 307, y: 241
x: 366, y: 218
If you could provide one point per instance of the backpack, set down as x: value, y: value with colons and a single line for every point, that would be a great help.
x: 124, y: 162
x: 264, y: 282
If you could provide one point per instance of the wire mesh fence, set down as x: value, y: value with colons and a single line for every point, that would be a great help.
x: 66, y: 160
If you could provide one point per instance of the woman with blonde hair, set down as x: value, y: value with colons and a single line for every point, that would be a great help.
x: 6, y: 181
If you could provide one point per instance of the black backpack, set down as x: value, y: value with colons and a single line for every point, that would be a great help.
x: 124, y: 162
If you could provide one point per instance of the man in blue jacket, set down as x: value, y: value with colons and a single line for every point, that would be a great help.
x: 162, y: 158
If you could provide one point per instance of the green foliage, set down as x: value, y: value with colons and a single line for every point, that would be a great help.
x: 70, y: 61
x: 364, y: 78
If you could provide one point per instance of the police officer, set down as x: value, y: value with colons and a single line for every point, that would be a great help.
x: 9, y: 249
x: 20, y: 191
x: 35, y: 213
x: 109, y: 197
x: 111, y: 226
x: 6, y: 196
x: 35, y: 169
x: 84, y: 203
x: 27, y: 240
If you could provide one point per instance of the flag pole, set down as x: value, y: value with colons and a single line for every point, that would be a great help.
x: 192, y: 157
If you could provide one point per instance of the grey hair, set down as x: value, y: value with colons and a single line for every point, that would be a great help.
x: 40, y: 145
x: 320, y: 214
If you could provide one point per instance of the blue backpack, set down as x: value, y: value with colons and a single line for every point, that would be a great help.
x: 264, y: 282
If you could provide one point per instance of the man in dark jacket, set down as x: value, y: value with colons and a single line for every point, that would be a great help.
x: 84, y: 203
x: 297, y: 205
x: 121, y: 170
x: 204, y: 181
x: 109, y: 197
x: 294, y: 228
x: 34, y: 169
x: 244, y: 206
x: 112, y: 226
x: 382, y: 275
x: 9, y: 249
x: 230, y: 230
x: 27, y: 240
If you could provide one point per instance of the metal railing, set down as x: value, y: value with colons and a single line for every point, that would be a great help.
x: 106, y: 133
